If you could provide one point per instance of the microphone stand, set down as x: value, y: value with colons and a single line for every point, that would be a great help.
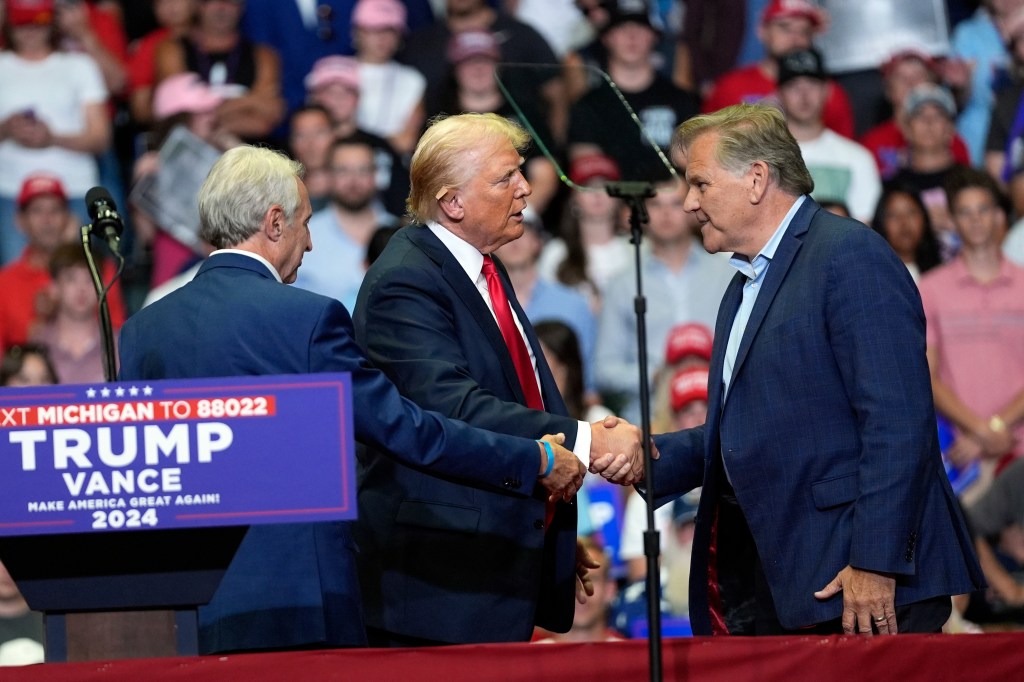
x: 633, y: 194
x: 106, y: 328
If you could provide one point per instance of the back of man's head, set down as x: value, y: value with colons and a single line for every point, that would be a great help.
x: 244, y: 183
x: 748, y: 133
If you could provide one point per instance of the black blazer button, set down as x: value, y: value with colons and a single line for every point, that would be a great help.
x: 538, y: 524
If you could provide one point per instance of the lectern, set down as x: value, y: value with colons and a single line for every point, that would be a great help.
x: 122, y: 504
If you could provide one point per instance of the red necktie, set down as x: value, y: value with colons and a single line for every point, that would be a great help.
x: 513, y: 339
x: 517, y: 349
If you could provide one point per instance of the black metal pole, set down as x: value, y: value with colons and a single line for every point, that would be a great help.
x: 634, y: 194
x: 106, y: 328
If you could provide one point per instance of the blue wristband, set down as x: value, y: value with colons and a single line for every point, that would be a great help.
x: 551, y: 458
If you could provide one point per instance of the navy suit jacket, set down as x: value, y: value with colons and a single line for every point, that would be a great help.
x: 295, y: 584
x: 442, y: 559
x: 828, y: 432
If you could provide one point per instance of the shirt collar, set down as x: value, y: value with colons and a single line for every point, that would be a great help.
x: 752, y: 269
x: 467, y: 255
x: 250, y: 254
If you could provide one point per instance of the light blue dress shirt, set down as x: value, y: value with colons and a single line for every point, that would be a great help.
x: 754, y: 271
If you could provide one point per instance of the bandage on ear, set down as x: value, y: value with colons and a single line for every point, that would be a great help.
x: 440, y: 193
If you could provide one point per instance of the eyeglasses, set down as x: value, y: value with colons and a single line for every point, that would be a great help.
x: 325, y: 23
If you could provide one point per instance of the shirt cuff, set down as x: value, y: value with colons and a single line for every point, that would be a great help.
x: 582, y: 449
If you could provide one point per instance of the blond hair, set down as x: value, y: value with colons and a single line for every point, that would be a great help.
x: 438, y: 164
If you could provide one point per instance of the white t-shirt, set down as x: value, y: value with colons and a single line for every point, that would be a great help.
x: 845, y: 171
x: 604, y: 261
x: 388, y: 93
x: 57, y: 90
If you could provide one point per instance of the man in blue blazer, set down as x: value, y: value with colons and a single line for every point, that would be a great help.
x: 825, y: 506
x: 294, y: 585
x: 442, y: 559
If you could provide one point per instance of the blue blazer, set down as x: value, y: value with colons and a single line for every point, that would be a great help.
x: 295, y: 584
x: 441, y: 558
x: 828, y: 432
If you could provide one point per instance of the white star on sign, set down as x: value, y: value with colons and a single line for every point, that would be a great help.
x: 147, y: 390
x: 119, y: 391
x: 105, y: 392
x: 90, y: 393
x: 133, y: 390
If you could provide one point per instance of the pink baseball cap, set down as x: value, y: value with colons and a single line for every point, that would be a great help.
x: 379, y: 14
x: 689, y: 385
x: 467, y: 44
x: 40, y: 184
x: 688, y: 339
x: 786, y: 9
x: 184, y: 93
x: 334, y: 69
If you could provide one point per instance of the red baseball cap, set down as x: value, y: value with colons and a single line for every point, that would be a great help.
x: 40, y: 184
x: 688, y: 339
x: 689, y: 385
x: 786, y: 9
x: 903, y: 54
x: 25, y: 12
x: 585, y: 168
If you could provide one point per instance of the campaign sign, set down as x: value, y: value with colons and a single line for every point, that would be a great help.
x: 137, y: 455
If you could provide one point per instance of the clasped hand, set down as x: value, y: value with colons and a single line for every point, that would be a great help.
x: 616, y: 452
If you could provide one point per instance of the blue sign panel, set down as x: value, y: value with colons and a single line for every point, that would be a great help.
x: 176, y: 454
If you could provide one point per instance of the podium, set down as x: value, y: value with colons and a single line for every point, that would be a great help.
x: 122, y: 505
x: 120, y: 595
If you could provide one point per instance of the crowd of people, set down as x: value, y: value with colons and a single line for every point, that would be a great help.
x: 145, y: 97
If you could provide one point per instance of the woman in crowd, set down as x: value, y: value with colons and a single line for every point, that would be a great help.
x: 902, y: 219
x: 390, y: 94
x: 590, y: 250
x: 52, y: 115
x: 246, y: 75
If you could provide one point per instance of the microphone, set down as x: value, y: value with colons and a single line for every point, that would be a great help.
x: 106, y: 221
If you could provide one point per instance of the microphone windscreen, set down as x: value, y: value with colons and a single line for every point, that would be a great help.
x: 96, y: 197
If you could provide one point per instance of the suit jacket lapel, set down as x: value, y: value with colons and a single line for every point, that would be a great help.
x: 777, y: 270
x: 726, y: 313
x: 455, y: 276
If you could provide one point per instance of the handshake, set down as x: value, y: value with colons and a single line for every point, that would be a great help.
x: 616, y: 454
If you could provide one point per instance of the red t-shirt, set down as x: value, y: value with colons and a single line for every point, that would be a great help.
x: 22, y: 283
x: 750, y: 85
x: 142, y: 59
x: 886, y: 142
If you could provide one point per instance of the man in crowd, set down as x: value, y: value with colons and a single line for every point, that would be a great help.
x: 44, y: 218
x: 842, y: 170
x: 342, y: 230
x: 294, y: 585
x: 929, y: 123
x: 905, y: 70
x: 334, y: 84
x: 683, y: 284
x: 974, y: 305
x: 786, y: 25
x: 819, y: 405
x: 544, y: 299
x: 601, y: 125
x: 443, y: 560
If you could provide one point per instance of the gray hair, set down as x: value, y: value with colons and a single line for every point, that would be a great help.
x: 244, y: 183
x: 749, y: 133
